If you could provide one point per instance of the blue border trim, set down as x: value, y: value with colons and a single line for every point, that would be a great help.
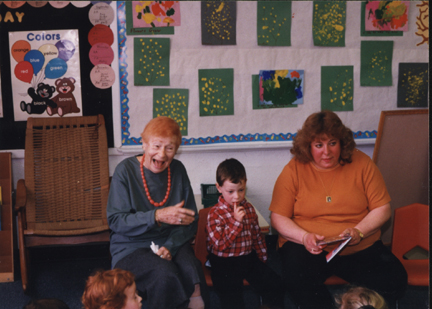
x: 127, y: 140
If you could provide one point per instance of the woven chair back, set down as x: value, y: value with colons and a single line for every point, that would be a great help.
x: 66, y: 175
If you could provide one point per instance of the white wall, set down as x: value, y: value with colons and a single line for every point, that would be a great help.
x: 263, y: 166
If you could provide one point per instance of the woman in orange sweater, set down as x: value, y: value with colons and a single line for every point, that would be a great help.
x: 332, y: 189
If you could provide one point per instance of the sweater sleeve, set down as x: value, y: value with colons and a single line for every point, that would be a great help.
x: 285, y: 191
x: 123, y: 218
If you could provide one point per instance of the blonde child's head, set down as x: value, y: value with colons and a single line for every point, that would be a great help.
x: 361, y: 298
x: 111, y: 289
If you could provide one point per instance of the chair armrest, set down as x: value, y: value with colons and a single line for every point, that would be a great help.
x: 21, y: 195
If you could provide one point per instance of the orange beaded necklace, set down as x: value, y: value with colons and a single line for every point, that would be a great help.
x: 147, y: 190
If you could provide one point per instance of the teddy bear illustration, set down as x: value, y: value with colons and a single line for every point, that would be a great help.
x: 65, y: 99
x: 41, y: 99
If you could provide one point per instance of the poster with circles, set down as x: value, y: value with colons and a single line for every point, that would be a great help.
x: 101, y: 37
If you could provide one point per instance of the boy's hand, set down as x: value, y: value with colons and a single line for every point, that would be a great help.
x: 239, y: 212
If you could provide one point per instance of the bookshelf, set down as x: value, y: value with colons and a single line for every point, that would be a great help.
x: 6, y: 232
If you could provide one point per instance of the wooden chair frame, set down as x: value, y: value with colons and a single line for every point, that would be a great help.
x: 62, y: 200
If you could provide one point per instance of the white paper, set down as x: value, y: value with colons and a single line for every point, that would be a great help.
x: 154, y: 247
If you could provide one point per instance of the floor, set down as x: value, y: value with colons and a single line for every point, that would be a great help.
x: 61, y: 273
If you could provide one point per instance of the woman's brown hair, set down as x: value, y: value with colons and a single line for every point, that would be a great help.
x: 106, y: 289
x: 317, y: 125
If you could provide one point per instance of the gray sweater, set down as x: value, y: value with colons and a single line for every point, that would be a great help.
x: 131, y: 217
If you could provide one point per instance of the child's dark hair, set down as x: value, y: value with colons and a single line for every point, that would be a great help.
x: 232, y: 170
x: 46, y: 303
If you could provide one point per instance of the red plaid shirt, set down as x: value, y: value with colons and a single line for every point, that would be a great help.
x: 227, y: 237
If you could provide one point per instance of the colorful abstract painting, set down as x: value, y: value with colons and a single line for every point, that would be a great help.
x: 155, y: 14
x: 422, y: 22
x: 216, y: 92
x: 172, y: 103
x: 376, y: 63
x: 329, y: 23
x: 281, y: 88
x: 151, y: 61
x: 337, y: 88
x: 218, y: 23
x: 413, y: 85
x: 386, y: 15
x: 363, y: 31
x: 127, y: 12
x: 274, y: 23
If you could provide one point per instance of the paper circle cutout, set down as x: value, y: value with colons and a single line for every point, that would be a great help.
x: 59, y: 4
x: 14, y: 4
x: 100, y: 34
x: 102, y: 76
x: 101, y: 53
x: 37, y: 4
x: 101, y: 13
x: 80, y: 4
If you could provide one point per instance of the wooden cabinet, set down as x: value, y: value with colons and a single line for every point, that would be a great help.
x: 6, y: 232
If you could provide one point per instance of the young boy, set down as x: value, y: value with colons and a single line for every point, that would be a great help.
x: 236, y: 246
x: 111, y: 289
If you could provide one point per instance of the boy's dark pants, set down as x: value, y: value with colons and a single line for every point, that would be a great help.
x: 228, y: 274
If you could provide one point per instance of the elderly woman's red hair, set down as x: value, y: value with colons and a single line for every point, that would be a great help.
x: 106, y: 289
x: 162, y: 126
x: 315, y: 127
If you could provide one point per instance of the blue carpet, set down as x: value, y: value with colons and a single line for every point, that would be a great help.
x: 61, y: 273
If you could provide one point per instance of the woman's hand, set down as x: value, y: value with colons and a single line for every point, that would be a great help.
x: 310, y: 243
x: 175, y: 215
x: 164, y: 253
x: 355, y: 236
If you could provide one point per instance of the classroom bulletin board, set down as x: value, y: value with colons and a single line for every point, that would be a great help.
x: 214, y: 76
x: 51, y: 64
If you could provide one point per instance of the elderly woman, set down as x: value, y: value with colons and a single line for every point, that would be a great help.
x: 151, y: 202
x: 329, y: 189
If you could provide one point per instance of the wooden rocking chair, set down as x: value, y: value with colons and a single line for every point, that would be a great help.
x: 62, y: 200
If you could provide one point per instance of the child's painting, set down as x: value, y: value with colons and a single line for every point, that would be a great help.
x: 413, y: 85
x: 376, y: 63
x: 274, y: 23
x: 422, y: 22
x: 155, y: 14
x: 386, y: 15
x: 337, y: 88
x: 281, y: 88
x: 218, y: 22
x: 216, y: 92
x: 151, y: 61
x: 172, y: 103
x: 329, y: 23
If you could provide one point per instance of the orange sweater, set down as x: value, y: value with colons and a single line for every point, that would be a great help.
x: 358, y: 187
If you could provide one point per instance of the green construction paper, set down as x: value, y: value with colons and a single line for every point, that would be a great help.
x: 216, y: 92
x: 255, y: 92
x: 130, y: 30
x: 329, y: 23
x: 413, y: 85
x: 151, y: 61
x: 172, y: 103
x: 337, y: 88
x: 274, y: 23
x: 376, y: 63
x: 363, y: 32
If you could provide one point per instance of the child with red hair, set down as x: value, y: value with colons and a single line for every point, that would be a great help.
x: 111, y: 289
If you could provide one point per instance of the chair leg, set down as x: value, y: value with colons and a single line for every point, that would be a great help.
x: 22, y: 253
